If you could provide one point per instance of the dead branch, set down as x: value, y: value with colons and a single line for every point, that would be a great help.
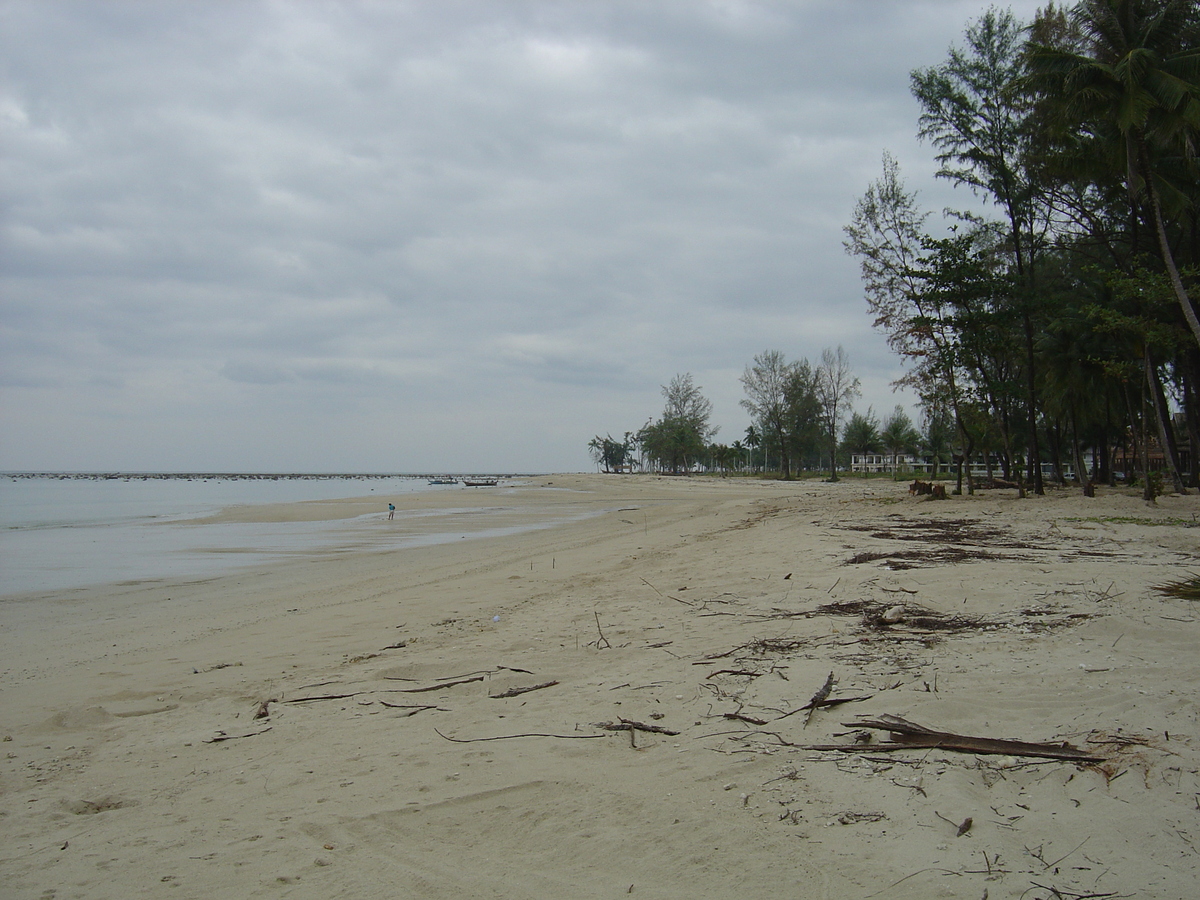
x: 439, y: 686
x: 825, y: 704
x: 630, y: 725
x: 505, y: 737
x: 909, y: 735
x: 1072, y: 895
x: 602, y: 639
x: 412, y: 709
x: 325, y: 697
x: 741, y: 718
x: 517, y: 691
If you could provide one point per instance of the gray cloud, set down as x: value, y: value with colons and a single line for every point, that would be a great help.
x: 283, y: 235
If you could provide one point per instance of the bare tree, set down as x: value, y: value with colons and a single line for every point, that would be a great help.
x: 836, y: 389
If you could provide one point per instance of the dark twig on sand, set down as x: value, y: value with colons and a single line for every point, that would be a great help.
x: 439, y: 686
x: 410, y: 709
x: 506, y: 737
x: 222, y: 736
x: 517, y: 691
x: 602, y: 642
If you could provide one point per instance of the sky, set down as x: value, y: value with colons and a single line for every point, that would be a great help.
x: 445, y: 235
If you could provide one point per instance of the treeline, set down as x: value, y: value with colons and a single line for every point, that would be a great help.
x: 799, y: 410
x: 1063, y: 328
x: 1058, y: 334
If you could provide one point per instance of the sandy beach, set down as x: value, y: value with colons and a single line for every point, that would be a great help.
x: 615, y: 706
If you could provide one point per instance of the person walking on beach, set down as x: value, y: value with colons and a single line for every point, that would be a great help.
x: 391, y: 510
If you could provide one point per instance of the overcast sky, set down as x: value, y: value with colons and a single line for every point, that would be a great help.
x: 432, y: 236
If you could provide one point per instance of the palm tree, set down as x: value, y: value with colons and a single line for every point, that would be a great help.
x: 754, y: 439
x: 1135, y: 66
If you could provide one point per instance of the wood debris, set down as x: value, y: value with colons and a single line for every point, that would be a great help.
x: 906, y: 735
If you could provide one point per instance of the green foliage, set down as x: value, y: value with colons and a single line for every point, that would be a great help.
x: 613, y: 455
x: 861, y: 434
x: 680, y: 438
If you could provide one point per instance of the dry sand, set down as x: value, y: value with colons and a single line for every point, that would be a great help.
x: 679, y: 603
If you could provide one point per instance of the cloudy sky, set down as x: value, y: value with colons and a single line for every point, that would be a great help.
x: 427, y: 235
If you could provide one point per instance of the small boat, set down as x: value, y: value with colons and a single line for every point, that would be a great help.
x: 443, y: 481
x: 480, y: 482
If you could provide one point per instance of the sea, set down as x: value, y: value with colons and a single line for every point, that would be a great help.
x: 60, y: 531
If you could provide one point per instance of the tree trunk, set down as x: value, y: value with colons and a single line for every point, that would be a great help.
x: 1162, y: 416
x: 1191, y: 414
x: 1035, y: 453
x: 1181, y: 294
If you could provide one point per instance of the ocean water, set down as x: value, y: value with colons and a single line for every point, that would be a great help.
x: 63, y: 532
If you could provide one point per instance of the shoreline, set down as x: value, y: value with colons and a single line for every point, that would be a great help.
x: 69, y: 543
x: 678, y: 603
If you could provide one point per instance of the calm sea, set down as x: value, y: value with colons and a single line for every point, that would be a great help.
x: 60, y: 532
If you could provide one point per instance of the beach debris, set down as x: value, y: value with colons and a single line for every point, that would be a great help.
x: 852, y: 817
x: 892, y: 615
x: 601, y: 642
x: 819, y: 697
x: 633, y: 727
x: 222, y: 736
x: 909, y: 735
x: 517, y: 691
x: 442, y: 684
x: 410, y: 709
x: 506, y: 737
x: 740, y: 717
x: 214, y: 668
x: 326, y: 697
x: 630, y: 725
x: 961, y: 828
x: 1182, y: 589
x: 932, y: 490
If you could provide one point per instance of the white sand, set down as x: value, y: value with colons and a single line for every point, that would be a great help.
x: 109, y: 699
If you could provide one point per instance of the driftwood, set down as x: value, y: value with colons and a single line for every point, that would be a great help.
x: 906, y: 735
x: 517, y: 691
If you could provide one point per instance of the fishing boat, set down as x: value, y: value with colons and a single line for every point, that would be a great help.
x: 480, y: 482
x: 443, y: 481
